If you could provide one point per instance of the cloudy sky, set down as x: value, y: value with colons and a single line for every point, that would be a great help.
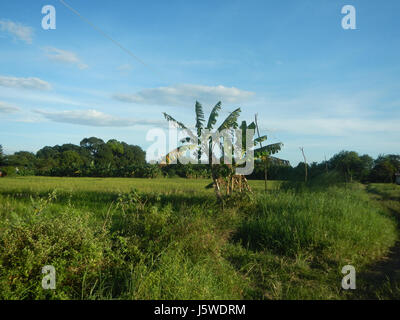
x: 312, y: 83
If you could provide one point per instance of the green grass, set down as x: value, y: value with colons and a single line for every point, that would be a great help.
x: 114, y: 185
x: 382, y: 279
x: 169, y: 239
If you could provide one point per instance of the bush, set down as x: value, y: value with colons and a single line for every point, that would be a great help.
x: 65, y: 240
x: 9, y: 171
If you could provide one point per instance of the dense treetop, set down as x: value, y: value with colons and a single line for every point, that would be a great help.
x: 94, y: 157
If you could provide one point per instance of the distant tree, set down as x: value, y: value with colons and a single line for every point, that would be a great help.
x: 1, y: 155
x: 48, y: 158
x: 367, y: 163
x: 92, y: 145
x: 70, y: 162
x: 23, y: 159
x: 47, y: 153
x: 96, y: 158
x: 298, y: 172
x: 104, y: 155
x: 315, y: 169
x: 116, y: 147
x: 348, y: 163
x: 69, y: 147
x: 383, y: 172
x: 394, y: 160
x: 133, y: 155
x: 385, y: 168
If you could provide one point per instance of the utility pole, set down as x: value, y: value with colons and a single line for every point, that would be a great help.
x: 305, y: 164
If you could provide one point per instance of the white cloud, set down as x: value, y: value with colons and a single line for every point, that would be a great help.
x: 325, y: 113
x: 7, y: 108
x: 17, y: 30
x: 25, y: 83
x: 186, y: 95
x: 41, y: 98
x: 330, y: 126
x: 322, y: 104
x: 64, y: 56
x: 94, y: 118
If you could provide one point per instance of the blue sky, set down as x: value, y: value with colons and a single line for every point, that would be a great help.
x: 312, y: 83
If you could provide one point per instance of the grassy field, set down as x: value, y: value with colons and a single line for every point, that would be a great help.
x: 115, y: 238
x: 115, y: 185
x: 382, y: 279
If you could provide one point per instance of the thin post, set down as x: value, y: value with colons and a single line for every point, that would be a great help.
x: 305, y: 164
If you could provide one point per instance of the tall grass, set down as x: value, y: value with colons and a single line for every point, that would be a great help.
x: 342, y: 225
x: 171, y: 240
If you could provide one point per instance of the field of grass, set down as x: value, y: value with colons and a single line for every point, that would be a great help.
x: 116, y: 238
x: 115, y: 185
x: 382, y: 279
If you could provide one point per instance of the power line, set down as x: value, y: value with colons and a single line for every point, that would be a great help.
x: 105, y: 35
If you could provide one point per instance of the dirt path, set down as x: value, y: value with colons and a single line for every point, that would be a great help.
x: 382, y: 280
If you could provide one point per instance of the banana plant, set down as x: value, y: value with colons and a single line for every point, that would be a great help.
x: 187, y: 143
x: 262, y: 153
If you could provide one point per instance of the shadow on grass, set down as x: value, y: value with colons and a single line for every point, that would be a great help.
x: 381, y: 280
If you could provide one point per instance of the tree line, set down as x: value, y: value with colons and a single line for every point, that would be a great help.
x: 92, y: 157
x: 95, y: 158
x: 346, y: 166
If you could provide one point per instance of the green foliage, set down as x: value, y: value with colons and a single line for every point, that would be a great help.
x: 212, y: 120
x: 62, y: 238
x: 351, y: 165
x: 1, y: 155
x: 9, y: 171
x: 344, y: 166
x: 199, y: 118
x: 22, y: 159
x: 92, y: 158
x: 262, y: 152
x: 267, y: 150
x: 188, y: 143
x: 167, y: 239
x: 385, y: 168
x: 231, y: 121
x: 291, y: 223
x: 116, y: 147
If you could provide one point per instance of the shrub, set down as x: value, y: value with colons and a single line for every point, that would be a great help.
x: 65, y: 240
x: 9, y: 171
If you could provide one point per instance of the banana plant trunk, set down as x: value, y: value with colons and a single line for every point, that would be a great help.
x: 214, y: 174
x: 216, y: 184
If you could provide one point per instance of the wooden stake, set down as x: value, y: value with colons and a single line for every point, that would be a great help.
x: 305, y: 164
